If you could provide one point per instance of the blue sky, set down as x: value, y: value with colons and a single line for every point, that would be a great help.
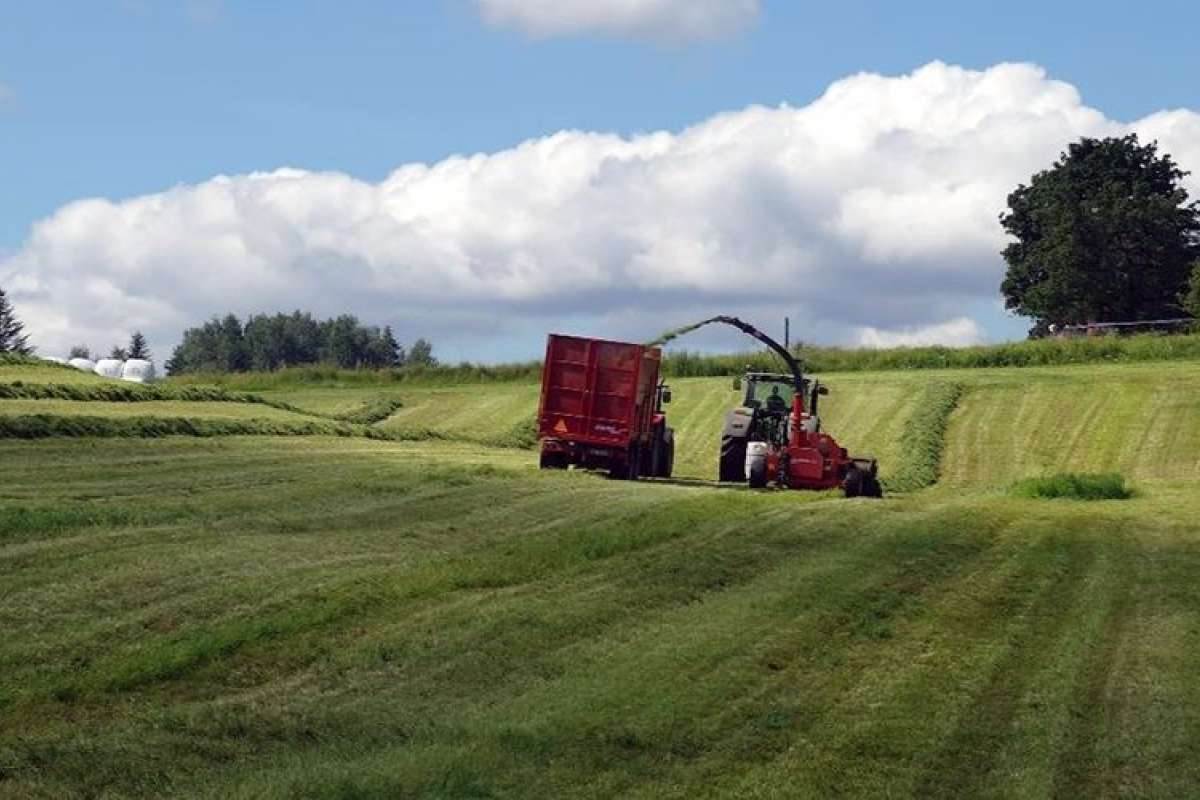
x: 131, y: 97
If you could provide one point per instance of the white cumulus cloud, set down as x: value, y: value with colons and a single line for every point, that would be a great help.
x: 661, y: 20
x: 869, y: 215
x: 953, y: 333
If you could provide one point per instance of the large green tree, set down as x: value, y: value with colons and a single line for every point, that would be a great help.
x: 1105, y: 235
x: 1190, y: 299
x: 13, y: 338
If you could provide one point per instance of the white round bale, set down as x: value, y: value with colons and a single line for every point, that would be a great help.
x: 109, y: 368
x: 85, y: 364
x: 138, y: 370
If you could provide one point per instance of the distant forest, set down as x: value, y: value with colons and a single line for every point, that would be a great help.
x: 265, y: 343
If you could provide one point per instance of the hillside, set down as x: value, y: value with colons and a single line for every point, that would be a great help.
x: 336, y: 616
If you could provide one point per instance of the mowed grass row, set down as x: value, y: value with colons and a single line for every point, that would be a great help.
x: 150, y: 408
x: 1141, y: 421
x: 343, y: 618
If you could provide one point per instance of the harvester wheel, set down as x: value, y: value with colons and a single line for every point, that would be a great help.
x: 733, y: 459
x: 757, y: 476
x: 854, y: 483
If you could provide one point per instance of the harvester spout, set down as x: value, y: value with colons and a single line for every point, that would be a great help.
x: 745, y: 327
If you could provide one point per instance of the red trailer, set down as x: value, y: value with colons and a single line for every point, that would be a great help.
x: 601, y: 408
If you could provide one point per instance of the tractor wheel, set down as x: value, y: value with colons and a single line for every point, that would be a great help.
x: 733, y: 460
x: 655, y: 457
x: 666, y: 458
x: 757, y: 477
x: 872, y: 487
x: 855, y: 482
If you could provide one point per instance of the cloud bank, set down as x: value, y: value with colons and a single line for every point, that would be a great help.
x: 660, y: 20
x: 869, y: 216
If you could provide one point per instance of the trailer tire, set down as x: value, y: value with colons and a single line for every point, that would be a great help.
x: 733, y: 460
x: 553, y: 461
x: 625, y: 468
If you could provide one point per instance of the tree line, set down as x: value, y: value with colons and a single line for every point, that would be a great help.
x: 269, y: 342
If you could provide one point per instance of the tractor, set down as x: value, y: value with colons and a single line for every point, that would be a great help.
x: 775, y: 436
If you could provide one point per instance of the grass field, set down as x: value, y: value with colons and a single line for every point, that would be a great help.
x: 40, y: 372
x: 341, y: 618
x: 160, y: 408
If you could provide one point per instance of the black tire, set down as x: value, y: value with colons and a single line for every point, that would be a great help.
x: 553, y: 461
x: 652, y: 459
x: 666, y: 463
x: 733, y: 460
x: 872, y: 487
x: 854, y: 482
x: 625, y: 468
x: 757, y: 474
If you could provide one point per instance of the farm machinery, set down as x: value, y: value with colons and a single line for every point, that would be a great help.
x: 602, y: 408
x: 775, y: 435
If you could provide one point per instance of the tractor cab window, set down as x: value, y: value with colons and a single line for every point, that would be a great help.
x: 771, y: 396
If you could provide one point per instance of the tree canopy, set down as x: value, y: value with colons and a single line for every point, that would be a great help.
x: 138, y: 347
x: 13, y: 338
x: 1190, y: 300
x: 1105, y: 235
x: 268, y: 342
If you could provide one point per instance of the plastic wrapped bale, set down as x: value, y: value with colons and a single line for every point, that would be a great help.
x: 109, y: 368
x: 138, y: 370
x: 54, y: 359
x: 85, y: 364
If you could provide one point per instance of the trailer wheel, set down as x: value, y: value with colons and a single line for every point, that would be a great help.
x: 625, y: 468
x: 733, y: 460
x: 553, y: 461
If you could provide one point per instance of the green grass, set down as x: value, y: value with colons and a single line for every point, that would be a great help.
x: 1139, y: 420
x: 331, y: 618
x: 1074, y: 486
x: 36, y: 371
x: 1003, y: 424
x: 47, y: 426
x: 924, y: 438
x: 152, y: 408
